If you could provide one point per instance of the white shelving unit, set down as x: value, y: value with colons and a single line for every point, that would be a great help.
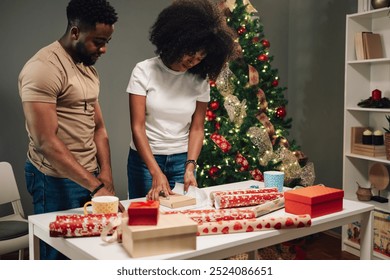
x: 361, y: 78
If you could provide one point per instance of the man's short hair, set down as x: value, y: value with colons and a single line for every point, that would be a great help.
x: 88, y: 13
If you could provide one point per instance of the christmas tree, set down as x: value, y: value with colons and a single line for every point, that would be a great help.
x: 246, y: 127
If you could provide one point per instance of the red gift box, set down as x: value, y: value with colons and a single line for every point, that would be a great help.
x: 314, y: 200
x: 143, y: 213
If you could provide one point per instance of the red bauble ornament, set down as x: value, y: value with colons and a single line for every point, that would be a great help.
x: 376, y: 95
x: 241, y: 30
x: 213, y: 171
x: 255, y: 40
x: 217, y: 126
x: 281, y: 112
x: 210, y: 116
x: 275, y: 83
x: 214, y: 105
x: 265, y: 43
x: 212, y: 83
x: 262, y: 57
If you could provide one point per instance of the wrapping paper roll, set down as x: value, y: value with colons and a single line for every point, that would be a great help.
x: 242, y: 191
x: 268, y: 207
x: 214, y: 215
x: 240, y: 200
x: 226, y: 227
x: 80, y: 225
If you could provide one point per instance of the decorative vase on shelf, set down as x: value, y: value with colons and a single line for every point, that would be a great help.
x: 378, y: 4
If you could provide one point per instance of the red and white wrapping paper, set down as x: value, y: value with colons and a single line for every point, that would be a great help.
x: 214, y: 215
x: 240, y: 200
x: 242, y: 191
x: 236, y: 226
x: 76, y: 225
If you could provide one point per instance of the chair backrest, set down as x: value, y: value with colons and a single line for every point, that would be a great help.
x: 8, y: 188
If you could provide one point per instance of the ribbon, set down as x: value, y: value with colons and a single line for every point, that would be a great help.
x: 253, y: 76
x: 236, y: 110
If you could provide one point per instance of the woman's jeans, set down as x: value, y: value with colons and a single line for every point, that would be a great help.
x: 52, y: 194
x: 138, y: 175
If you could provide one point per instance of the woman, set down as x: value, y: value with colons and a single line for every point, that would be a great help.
x: 168, y: 96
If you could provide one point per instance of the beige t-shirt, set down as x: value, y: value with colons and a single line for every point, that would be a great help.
x: 51, y: 76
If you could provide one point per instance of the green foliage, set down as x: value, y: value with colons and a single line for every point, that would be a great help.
x: 388, y: 122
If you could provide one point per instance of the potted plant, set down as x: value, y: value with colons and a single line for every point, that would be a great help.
x: 387, y: 137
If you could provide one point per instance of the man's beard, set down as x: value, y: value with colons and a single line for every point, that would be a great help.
x: 83, y: 56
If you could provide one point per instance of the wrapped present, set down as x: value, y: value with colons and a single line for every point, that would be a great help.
x: 314, y: 200
x: 173, y: 233
x: 240, y: 200
x: 143, y: 213
x: 76, y: 225
x: 177, y: 201
x: 282, y: 222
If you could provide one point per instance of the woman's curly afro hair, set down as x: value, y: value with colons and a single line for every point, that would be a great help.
x: 188, y: 26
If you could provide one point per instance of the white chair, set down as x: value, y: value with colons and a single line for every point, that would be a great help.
x: 13, y: 226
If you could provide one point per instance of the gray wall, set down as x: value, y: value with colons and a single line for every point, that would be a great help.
x: 307, y: 41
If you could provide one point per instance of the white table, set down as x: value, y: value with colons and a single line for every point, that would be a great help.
x: 208, y: 247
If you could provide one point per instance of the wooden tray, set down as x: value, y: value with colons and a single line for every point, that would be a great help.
x: 357, y: 147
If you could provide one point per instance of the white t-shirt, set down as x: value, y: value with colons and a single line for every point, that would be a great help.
x: 170, y: 103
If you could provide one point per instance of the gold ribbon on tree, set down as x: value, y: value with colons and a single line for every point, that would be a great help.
x: 224, y: 81
x: 261, y: 140
x: 289, y: 164
x: 231, y: 4
x: 236, y: 110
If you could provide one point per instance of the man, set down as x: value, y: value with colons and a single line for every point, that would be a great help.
x: 68, y: 154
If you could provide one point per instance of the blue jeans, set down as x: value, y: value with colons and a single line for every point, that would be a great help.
x: 138, y: 175
x: 52, y: 194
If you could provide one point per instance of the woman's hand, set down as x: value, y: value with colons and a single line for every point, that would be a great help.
x: 189, y: 180
x: 160, y: 187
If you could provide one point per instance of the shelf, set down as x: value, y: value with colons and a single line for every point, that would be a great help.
x: 385, y: 207
x: 373, y: 159
x: 370, y: 61
x: 353, y: 248
x: 361, y: 78
x: 370, y: 15
x: 378, y: 110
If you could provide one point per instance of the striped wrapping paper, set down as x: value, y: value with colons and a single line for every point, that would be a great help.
x: 249, y: 225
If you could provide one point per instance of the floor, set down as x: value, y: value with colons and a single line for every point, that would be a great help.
x: 321, y: 246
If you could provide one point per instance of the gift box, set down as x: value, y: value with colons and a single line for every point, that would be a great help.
x: 177, y: 201
x: 143, y: 213
x: 173, y: 233
x: 314, y: 200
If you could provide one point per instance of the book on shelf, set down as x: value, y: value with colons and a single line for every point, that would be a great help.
x: 359, y: 47
x: 372, y: 44
x: 368, y: 45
